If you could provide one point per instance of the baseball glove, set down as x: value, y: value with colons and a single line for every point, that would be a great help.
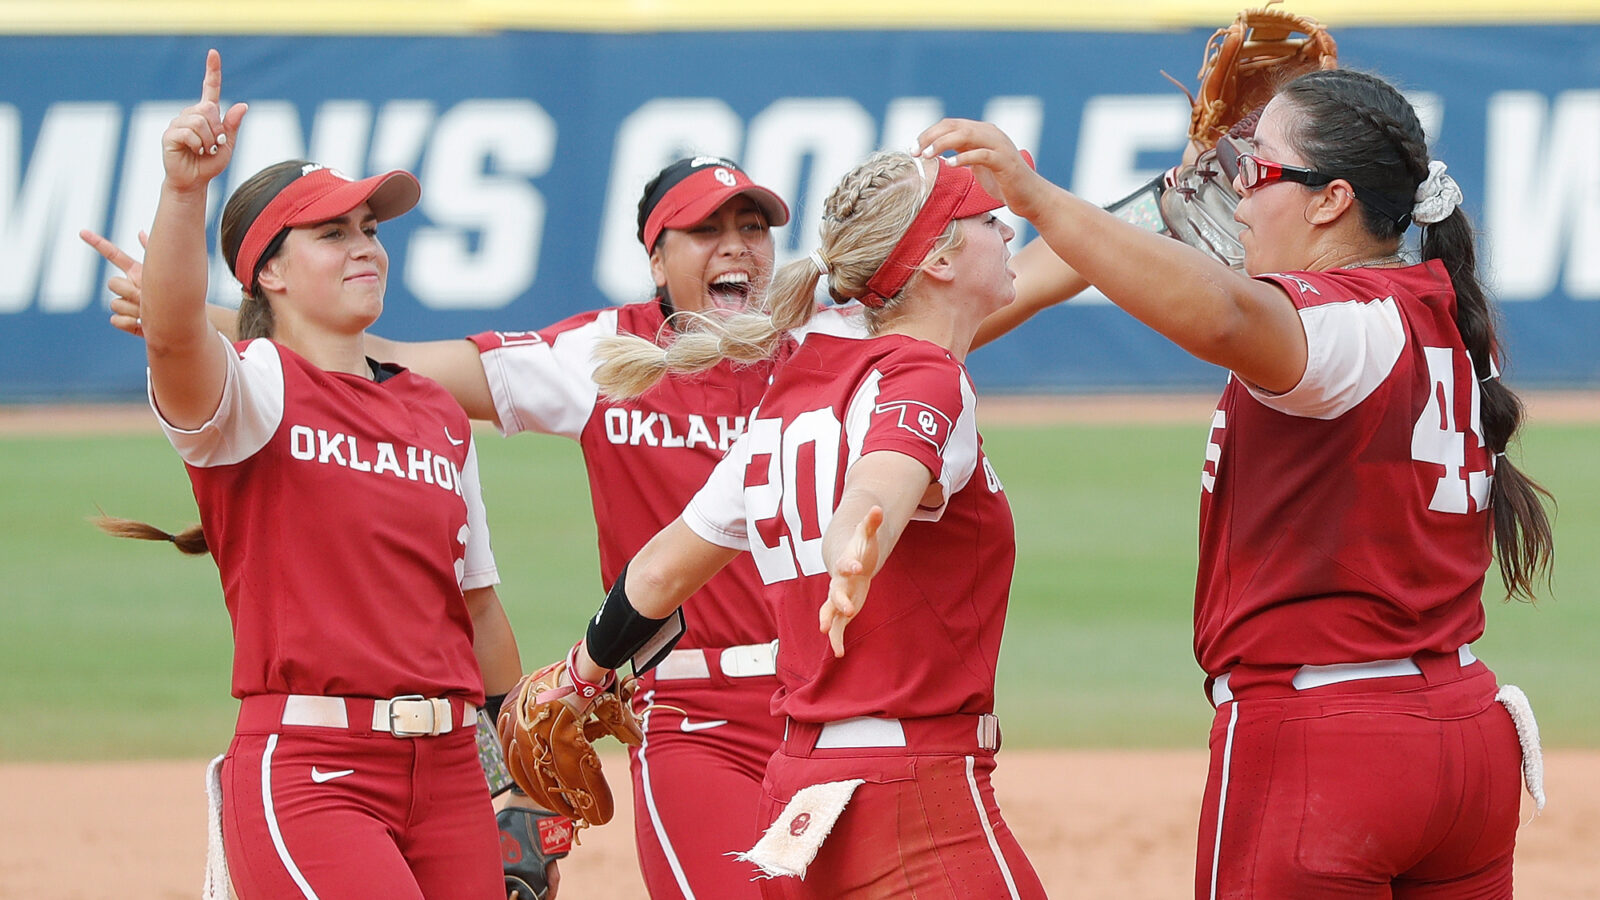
x: 530, y: 839
x: 1197, y: 207
x: 547, y: 734
x: 1245, y: 62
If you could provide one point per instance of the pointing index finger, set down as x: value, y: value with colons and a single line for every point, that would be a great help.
x: 211, y: 88
x: 112, y: 253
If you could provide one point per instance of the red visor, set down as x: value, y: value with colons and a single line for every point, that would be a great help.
x: 956, y: 195
x: 702, y: 192
x: 320, y: 194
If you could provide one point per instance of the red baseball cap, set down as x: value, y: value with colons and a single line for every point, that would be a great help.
x: 691, y: 189
x: 316, y: 194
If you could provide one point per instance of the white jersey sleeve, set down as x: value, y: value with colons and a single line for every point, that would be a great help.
x: 1351, y: 347
x: 478, y: 566
x: 248, y: 415
x: 546, y: 386
x: 716, y: 512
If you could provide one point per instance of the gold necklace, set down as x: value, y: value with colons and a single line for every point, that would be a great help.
x: 1393, y: 259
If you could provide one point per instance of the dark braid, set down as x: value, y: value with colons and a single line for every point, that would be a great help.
x: 1356, y: 126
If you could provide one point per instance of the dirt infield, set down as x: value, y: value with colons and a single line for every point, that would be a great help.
x: 1104, y: 824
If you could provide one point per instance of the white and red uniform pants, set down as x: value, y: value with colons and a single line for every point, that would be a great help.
x: 924, y: 824
x: 335, y: 813
x: 1406, y: 786
x: 697, y: 776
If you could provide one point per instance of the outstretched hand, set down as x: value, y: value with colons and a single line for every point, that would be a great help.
x: 198, y: 143
x: 126, y: 287
x: 851, y: 577
x: 999, y: 166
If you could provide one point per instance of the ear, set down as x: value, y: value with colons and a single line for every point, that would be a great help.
x: 940, y: 268
x: 1328, y: 204
x: 658, y: 263
x: 270, y: 279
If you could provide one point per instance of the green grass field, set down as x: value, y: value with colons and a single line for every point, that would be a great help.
x: 120, y: 649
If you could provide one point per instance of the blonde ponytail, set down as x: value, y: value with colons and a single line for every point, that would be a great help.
x: 863, y: 219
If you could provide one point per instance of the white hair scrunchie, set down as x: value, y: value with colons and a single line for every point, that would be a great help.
x: 1437, y: 196
x: 821, y: 262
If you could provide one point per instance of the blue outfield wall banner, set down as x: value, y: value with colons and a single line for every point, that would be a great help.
x: 532, y: 149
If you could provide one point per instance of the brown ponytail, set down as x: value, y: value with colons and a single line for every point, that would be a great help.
x: 1357, y: 126
x: 191, y: 540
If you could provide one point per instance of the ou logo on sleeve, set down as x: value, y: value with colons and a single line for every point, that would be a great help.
x: 920, y: 419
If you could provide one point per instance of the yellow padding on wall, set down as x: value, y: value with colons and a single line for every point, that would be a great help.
x: 469, y: 16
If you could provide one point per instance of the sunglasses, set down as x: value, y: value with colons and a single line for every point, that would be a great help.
x: 1251, y: 171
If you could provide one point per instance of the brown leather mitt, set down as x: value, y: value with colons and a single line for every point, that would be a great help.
x: 548, y: 734
x: 1245, y: 63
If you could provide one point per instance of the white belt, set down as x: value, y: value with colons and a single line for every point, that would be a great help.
x: 410, y: 715
x: 870, y: 731
x: 1308, y: 677
x: 743, y: 661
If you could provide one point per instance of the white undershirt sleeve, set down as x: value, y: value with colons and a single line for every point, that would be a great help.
x: 479, y: 568
x: 1351, y: 347
x: 547, y: 386
x: 716, y: 512
x: 248, y: 415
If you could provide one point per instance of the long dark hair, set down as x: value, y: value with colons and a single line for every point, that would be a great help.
x: 255, y: 320
x: 1357, y: 126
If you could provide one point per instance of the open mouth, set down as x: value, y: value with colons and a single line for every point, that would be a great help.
x: 730, y: 289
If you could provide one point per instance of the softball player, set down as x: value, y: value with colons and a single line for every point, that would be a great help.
x: 706, y: 227
x: 862, y: 465
x: 1354, y: 478
x: 697, y: 776
x: 340, y: 500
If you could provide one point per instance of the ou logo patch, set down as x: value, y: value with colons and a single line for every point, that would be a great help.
x: 920, y: 419
x: 724, y: 176
x: 799, y: 824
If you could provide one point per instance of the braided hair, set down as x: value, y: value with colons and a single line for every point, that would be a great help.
x: 862, y: 220
x: 1358, y: 127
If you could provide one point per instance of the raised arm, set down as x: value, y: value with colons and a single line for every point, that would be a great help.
x: 881, y: 492
x: 1201, y: 305
x: 188, y: 365
x: 454, y: 364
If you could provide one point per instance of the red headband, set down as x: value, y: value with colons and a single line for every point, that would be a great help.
x: 956, y: 195
x: 317, y: 195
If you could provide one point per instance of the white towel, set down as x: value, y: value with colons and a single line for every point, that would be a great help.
x: 1516, y: 703
x: 793, y: 839
x: 216, y: 886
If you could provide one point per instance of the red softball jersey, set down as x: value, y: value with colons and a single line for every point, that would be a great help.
x: 346, y: 519
x: 1347, y: 519
x: 544, y: 381
x: 928, y: 638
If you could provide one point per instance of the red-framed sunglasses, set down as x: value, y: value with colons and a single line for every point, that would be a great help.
x: 1251, y: 171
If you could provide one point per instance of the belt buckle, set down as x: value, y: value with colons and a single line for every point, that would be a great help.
x: 433, y: 717
x: 749, y: 660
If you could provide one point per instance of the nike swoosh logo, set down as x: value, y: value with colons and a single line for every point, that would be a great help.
x: 451, y: 439
x: 320, y: 776
x: 687, y: 725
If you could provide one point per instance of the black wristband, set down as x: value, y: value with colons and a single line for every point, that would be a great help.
x: 618, y: 631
